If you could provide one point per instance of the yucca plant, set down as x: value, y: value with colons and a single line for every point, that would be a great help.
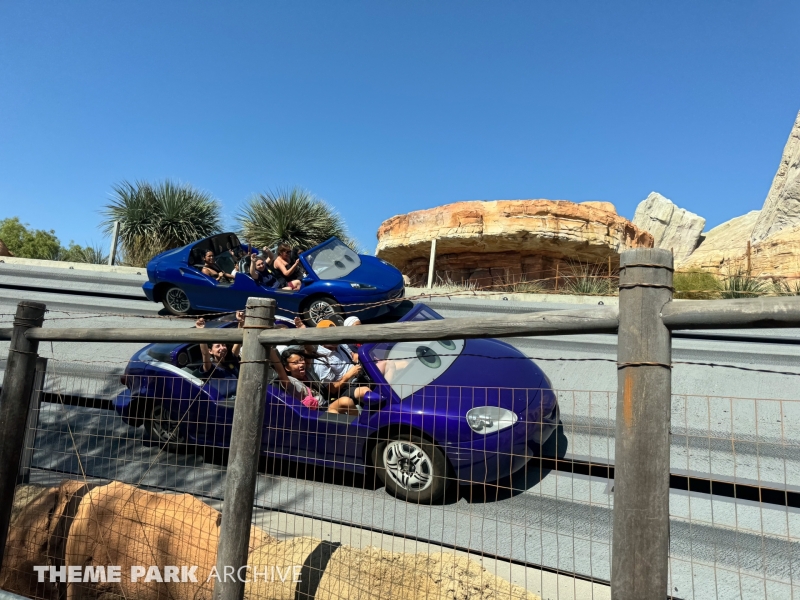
x: 294, y: 216
x: 158, y: 217
x: 786, y: 288
x: 740, y: 284
x: 94, y: 254
x: 588, y: 280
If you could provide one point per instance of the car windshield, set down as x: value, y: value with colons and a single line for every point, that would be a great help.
x: 333, y: 260
x: 409, y: 366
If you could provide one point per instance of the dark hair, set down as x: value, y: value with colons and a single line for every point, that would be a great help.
x: 291, y: 351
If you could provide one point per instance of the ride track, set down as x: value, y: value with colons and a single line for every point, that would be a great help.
x: 591, y: 468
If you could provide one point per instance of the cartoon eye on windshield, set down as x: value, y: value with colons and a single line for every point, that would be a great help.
x: 409, y: 366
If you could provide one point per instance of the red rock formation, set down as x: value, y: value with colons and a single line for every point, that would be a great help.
x: 507, y: 240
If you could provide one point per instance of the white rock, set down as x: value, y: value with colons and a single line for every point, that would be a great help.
x: 782, y: 206
x: 670, y: 226
x: 723, y: 245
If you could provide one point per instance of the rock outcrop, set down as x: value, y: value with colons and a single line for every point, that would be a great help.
x: 724, y: 243
x: 724, y: 251
x: 671, y: 227
x: 76, y: 524
x: 505, y: 241
x: 781, y: 209
x: 4, y: 251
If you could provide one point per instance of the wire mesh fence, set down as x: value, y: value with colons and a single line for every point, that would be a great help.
x: 128, y: 470
x: 497, y: 519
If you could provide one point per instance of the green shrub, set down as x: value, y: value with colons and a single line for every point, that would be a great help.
x: 29, y: 243
x: 696, y: 285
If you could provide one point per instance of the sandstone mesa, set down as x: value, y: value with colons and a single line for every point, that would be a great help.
x: 502, y: 241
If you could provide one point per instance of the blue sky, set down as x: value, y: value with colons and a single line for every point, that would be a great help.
x: 381, y: 108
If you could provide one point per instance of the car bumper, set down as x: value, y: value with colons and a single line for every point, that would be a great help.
x: 149, y: 290
x: 122, y: 404
x: 490, y: 458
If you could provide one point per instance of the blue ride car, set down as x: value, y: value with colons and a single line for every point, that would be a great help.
x: 441, y: 412
x: 338, y: 280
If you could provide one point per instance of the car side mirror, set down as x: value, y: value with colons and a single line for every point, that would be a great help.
x: 371, y: 400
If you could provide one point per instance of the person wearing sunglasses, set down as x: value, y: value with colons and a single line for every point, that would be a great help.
x: 290, y: 274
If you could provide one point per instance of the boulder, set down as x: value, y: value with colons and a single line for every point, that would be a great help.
x: 506, y: 240
x: 40, y: 520
x: 4, y: 251
x: 722, y: 244
x: 671, y: 227
x: 119, y: 524
x: 781, y: 209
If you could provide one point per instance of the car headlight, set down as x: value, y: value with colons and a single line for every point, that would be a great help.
x: 362, y: 286
x: 488, y: 419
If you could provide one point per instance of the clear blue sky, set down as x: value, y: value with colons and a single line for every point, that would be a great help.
x: 382, y: 108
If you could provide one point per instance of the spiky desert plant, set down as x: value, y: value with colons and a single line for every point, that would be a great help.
x: 158, y: 217
x: 292, y: 215
x: 739, y: 284
x: 93, y: 254
x: 785, y: 288
x: 588, y: 280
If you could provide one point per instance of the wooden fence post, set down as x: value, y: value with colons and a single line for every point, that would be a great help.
x: 431, y: 263
x: 245, y: 450
x: 33, y: 421
x: 640, y: 547
x: 14, y: 401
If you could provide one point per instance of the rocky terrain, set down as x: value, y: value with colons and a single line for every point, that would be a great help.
x: 506, y: 240
x: 491, y: 242
x: 670, y: 226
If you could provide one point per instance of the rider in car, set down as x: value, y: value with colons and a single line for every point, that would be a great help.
x: 218, y: 363
x: 290, y: 367
x: 338, y: 368
x: 212, y: 269
x: 287, y: 273
x: 262, y: 276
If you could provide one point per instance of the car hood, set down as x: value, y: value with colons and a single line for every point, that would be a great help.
x: 488, y: 372
x: 373, y: 271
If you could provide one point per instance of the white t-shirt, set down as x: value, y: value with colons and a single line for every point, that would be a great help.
x: 332, y: 364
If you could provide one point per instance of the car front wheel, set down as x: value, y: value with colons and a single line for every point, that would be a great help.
x: 411, y: 468
x: 320, y: 308
x: 176, y: 301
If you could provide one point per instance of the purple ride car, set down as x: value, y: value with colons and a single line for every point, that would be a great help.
x: 466, y: 410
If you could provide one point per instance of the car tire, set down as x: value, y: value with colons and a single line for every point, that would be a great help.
x: 176, y: 301
x: 163, y: 430
x: 412, y: 468
x: 318, y: 308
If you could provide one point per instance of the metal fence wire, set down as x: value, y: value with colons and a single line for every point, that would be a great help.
x: 100, y: 490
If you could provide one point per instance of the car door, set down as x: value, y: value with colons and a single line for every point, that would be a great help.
x: 287, y: 429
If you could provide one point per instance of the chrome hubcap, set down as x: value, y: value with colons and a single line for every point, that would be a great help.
x: 320, y: 310
x: 177, y: 300
x: 408, y: 465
